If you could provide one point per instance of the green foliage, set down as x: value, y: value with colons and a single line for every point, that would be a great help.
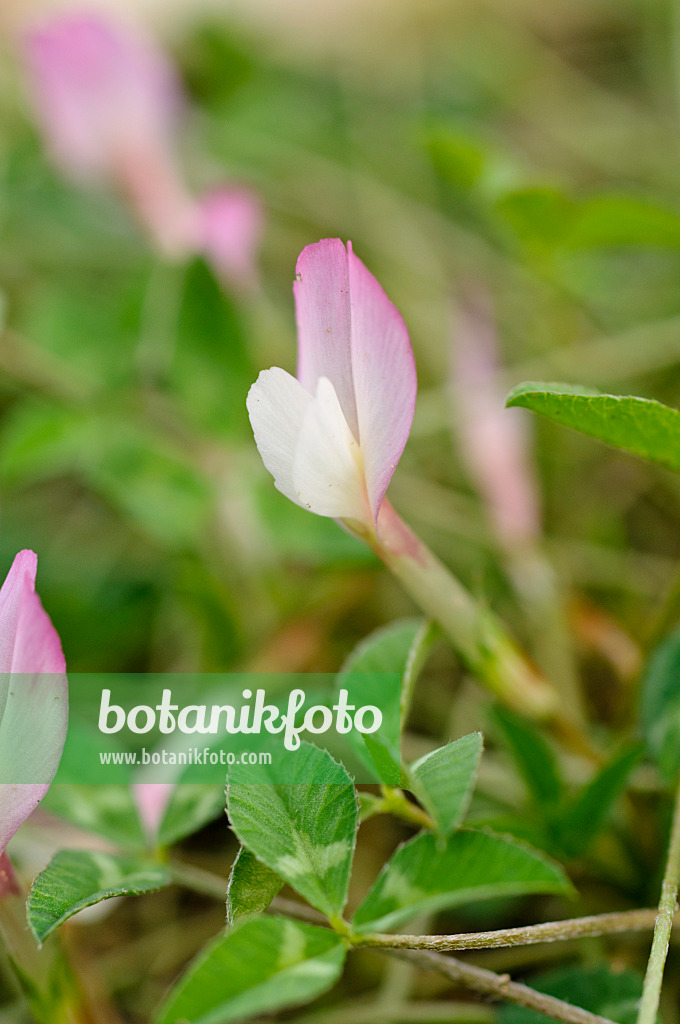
x: 533, y: 756
x: 660, y: 706
x: 304, y: 831
x: 75, y: 879
x: 638, y: 425
x: 428, y: 874
x: 584, y: 817
x: 261, y: 965
x: 211, y: 368
x: 564, y: 820
x: 382, y: 671
x: 444, y: 779
x: 252, y: 886
x: 546, y: 216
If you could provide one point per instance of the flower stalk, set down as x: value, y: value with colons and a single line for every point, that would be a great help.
x: 476, y: 633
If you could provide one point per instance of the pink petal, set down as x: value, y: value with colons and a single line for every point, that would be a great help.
x: 385, y: 383
x: 322, y: 304
x: 20, y: 580
x: 152, y: 800
x: 17, y: 803
x: 350, y: 332
x: 33, y: 697
x: 231, y: 226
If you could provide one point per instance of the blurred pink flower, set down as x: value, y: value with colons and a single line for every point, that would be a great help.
x: 152, y: 800
x: 33, y: 699
x: 108, y: 101
x: 332, y: 437
x: 231, y: 226
x: 493, y: 439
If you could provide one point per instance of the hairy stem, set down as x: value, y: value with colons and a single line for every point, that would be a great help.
x: 550, y: 931
x: 397, y: 803
x: 651, y: 992
x: 500, y: 986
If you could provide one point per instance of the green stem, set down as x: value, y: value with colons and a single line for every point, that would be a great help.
x: 397, y: 803
x: 550, y: 931
x: 651, y: 992
x: 479, y: 637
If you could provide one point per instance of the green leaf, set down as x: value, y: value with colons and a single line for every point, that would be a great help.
x: 75, y: 879
x: 614, y: 220
x: 444, y: 780
x: 426, y: 875
x: 212, y: 365
x: 586, y: 815
x: 660, y: 706
x: 382, y: 671
x: 540, y: 216
x: 252, y: 886
x: 149, y: 479
x: 262, y: 964
x: 611, y: 994
x: 638, y: 425
x: 304, y: 831
x: 533, y: 756
x: 459, y: 159
x: 41, y: 440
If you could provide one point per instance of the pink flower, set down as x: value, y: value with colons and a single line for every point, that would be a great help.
x: 107, y: 102
x: 494, y: 443
x: 231, y: 223
x: 332, y: 437
x: 33, y: 697
x: 152, y: 799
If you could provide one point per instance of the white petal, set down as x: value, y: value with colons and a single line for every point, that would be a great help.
x: 327, y: 469
x: 277, y: 404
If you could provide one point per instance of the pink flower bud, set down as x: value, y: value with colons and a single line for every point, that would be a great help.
x: 152, y: 800
x: 493, y: 438
x: 33, y: 697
